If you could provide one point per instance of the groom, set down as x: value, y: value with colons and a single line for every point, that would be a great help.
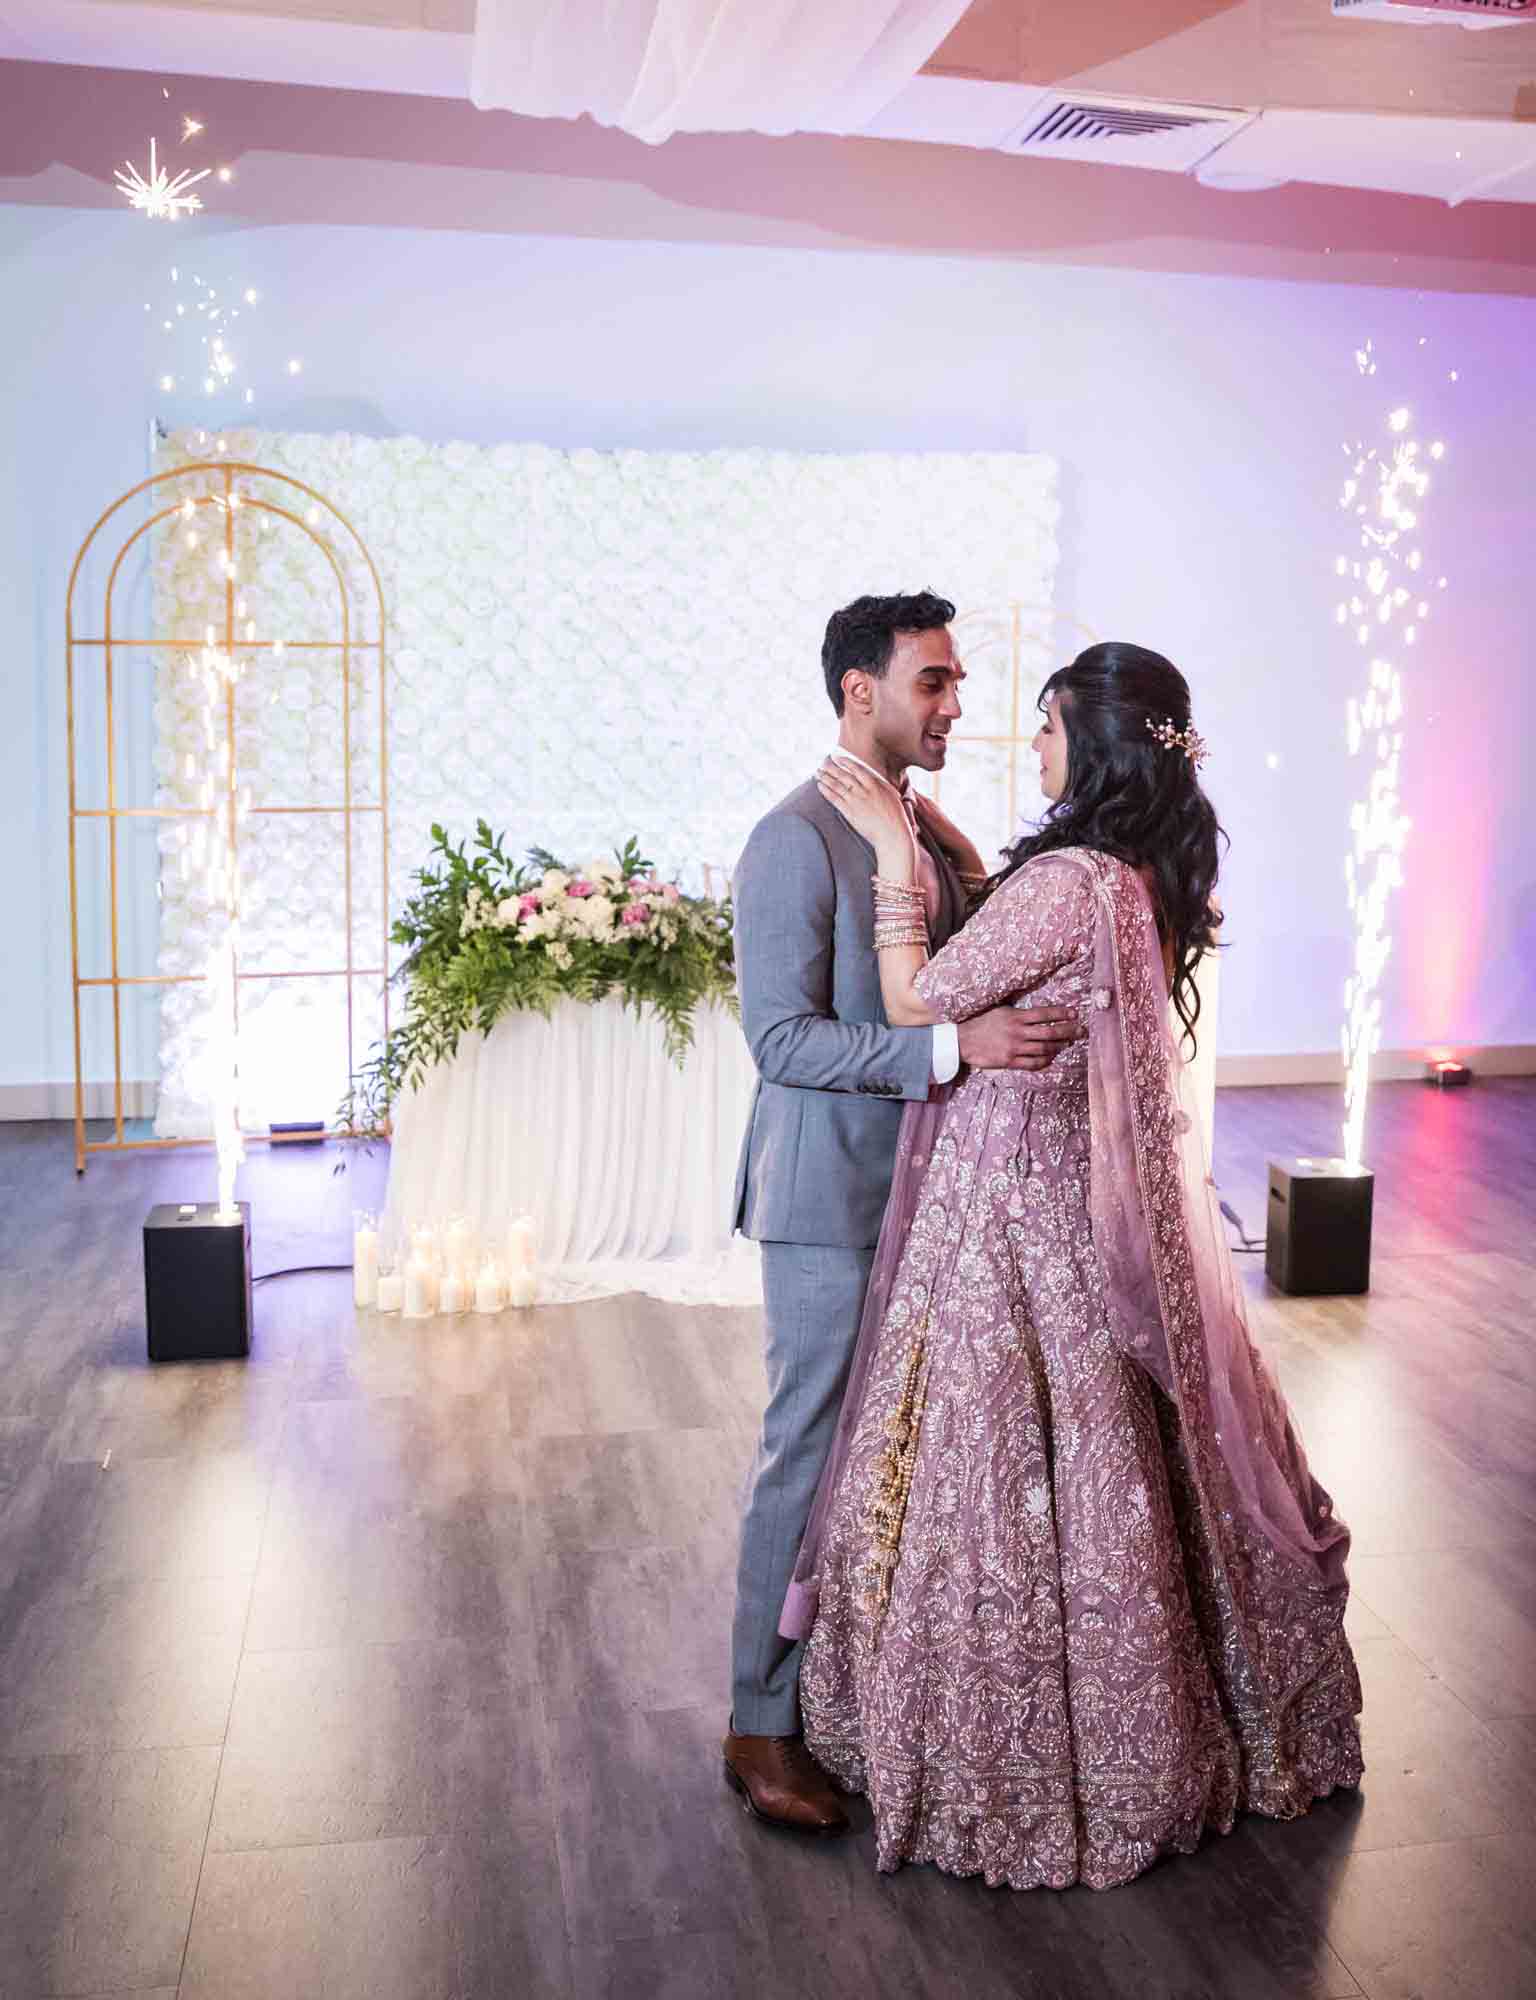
x: 821, y: 1141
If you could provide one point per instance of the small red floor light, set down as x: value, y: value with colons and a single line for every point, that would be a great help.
x: 1447, y: 1074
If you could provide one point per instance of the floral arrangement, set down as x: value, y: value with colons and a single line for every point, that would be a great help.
x: 486, y: 936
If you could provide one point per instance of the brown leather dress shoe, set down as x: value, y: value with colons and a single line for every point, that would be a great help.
x: 781, y: 1782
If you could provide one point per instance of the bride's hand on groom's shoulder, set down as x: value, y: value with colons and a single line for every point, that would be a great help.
x: 870, y: 806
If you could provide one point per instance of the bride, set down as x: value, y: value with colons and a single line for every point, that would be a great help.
x: 1073, y: 1596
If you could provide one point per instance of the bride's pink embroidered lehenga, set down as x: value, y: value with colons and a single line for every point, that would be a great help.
x: 1079, y: 1596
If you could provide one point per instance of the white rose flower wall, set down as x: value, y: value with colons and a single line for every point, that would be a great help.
x: 580, y: 646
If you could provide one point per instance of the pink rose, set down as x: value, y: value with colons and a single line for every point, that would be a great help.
x: 579, y: 888
x: 669, y: 890
x: 637, y: 885
x: 634, y: 913
x: 526, y: 907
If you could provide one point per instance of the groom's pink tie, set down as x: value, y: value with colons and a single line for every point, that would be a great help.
x: 927, y: 869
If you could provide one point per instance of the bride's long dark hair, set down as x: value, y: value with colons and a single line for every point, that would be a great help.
x: 1130, y: 795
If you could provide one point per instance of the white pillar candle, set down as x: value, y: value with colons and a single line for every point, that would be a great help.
x: 490, y: 1295
x: 520, y: 1244
x: 522, y: 1289
x: 365, y: 1265
x: 390, y: 1294
x: 420, y: 1288
x: 452, y: 1295
x: 424, y: 1243
x: 459, y: 1249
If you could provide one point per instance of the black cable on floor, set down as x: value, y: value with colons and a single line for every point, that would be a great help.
x: 1246, y: 1245
x: 297, y: 1271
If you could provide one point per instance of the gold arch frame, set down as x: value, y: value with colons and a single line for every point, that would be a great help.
x: 109, y: 643
x: 1010, y: 620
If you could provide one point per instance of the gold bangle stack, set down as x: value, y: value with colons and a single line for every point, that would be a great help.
x: 900, y: 920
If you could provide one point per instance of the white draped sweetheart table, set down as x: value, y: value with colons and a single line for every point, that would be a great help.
x: 625, y: 1162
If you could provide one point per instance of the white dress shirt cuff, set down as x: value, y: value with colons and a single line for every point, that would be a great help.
x: 946, y: 1052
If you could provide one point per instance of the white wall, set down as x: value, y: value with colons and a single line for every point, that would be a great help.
x: 1198, y: 423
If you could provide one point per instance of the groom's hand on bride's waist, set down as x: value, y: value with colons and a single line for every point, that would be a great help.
x: 1018, y: 1037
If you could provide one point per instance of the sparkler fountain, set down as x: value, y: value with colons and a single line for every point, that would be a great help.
x: 221, y: 878
x: 197, y: 1261
x: 1319, y: 1233
x: 1383, y: 494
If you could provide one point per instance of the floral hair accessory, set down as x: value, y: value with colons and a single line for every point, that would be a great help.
x: 1190, y: 741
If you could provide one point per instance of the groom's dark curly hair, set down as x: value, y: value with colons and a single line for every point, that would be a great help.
x: 863, y: 634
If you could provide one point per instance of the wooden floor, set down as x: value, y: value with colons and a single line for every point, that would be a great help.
x: 392, y: 1663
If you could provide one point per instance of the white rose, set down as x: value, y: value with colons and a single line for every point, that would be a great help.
x: 555, y: 882
x: 596, y: 914
x: 506, y: 913
x: 602, y: 872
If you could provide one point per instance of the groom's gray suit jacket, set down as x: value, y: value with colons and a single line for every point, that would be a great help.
x: 832, y: 1073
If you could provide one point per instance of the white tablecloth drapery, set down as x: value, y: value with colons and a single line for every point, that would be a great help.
x: 625, y: 1162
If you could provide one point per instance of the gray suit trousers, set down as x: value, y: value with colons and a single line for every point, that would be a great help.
x: 813, y: 1295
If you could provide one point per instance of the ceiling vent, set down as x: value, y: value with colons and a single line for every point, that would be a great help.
x: 1126, y: 132
x: 1438, y: 13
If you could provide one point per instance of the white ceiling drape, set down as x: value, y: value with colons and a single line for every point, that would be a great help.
x: 655, y: 67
